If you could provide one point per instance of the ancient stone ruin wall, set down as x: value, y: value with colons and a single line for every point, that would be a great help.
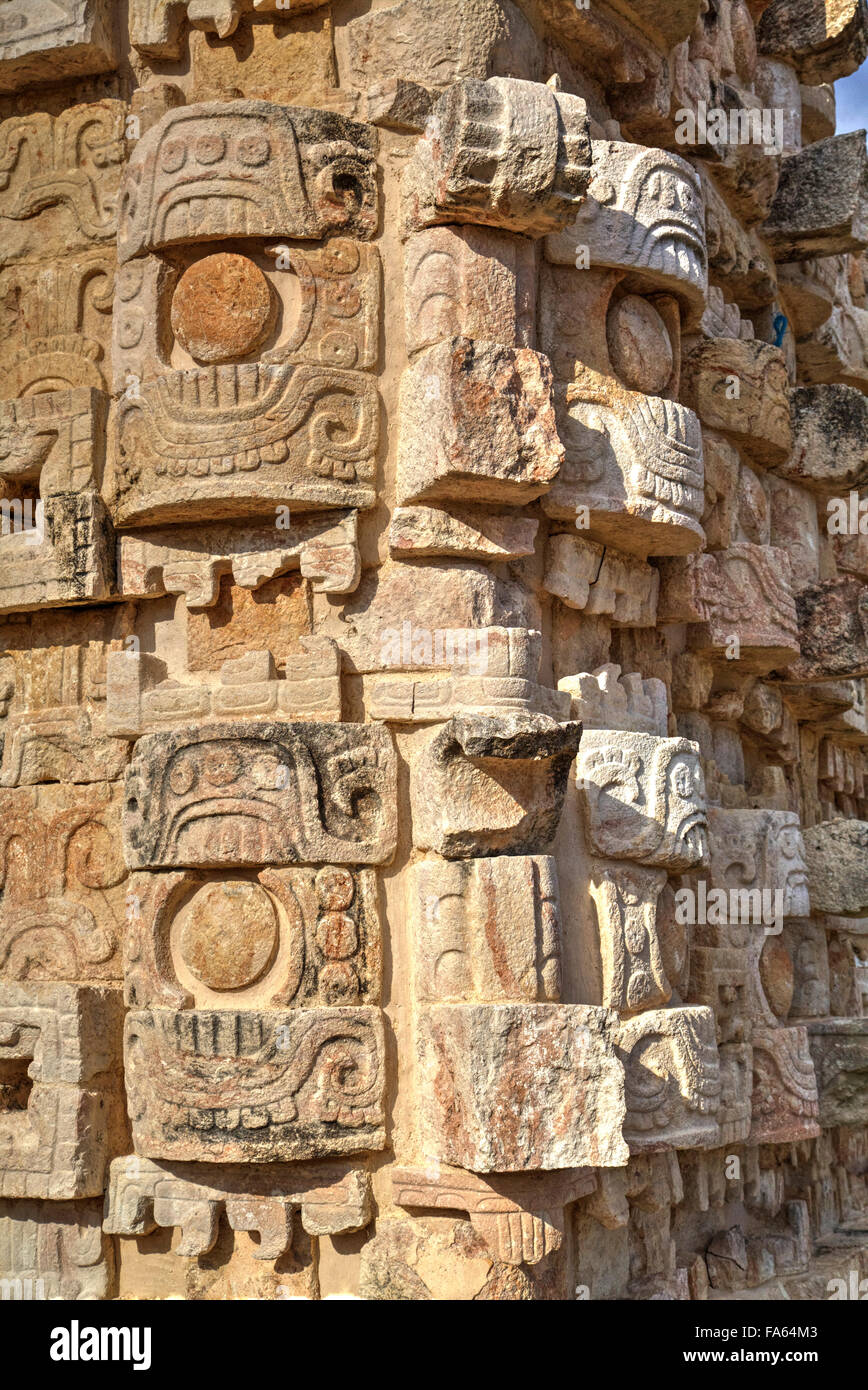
x: 434, y: 608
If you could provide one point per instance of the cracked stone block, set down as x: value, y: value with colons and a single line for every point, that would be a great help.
x: 513, y: 1087
x: 821, y: 206
x: 824, y: 41
x: 46, y: 40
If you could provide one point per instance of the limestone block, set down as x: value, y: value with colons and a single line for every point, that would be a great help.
x: 61, y: 1100
x: 193, y: 560
x: 830, y: 452
x: 736, y: 1082
x: 486, y: 930
x: 839, y: 1048
x: 823, y: 41
x: 643, y: 214
x: 520, y: 1221
x: 588, y: 576
x: 671, y: 1080
x: 43, y: 40
x: 486, y: 784
x: 809, y: 949
x: 62, y: 883
x: 68, y: 557
x: 722, y: 976
x: 228, y: 1086
x: 643, y: 798
x: 785, y: 1103
x: 138, y: 702
x: 488, y: 670
x: 459, y: 533
x: 56, y: 1251
x: 642, y: 949
x: 399, y: 104
x: 469, y: 282
x: 225, y: 170
x: 606, y: 699
x: 615, y: 37
x: 737, y: 258
x: 818, y: 113
x: 442, y: 43
x: 253, y: 794
x: 793, y: 527
x: 760, y: 852
x: 503, y: 153
x: 518, y: 1087
x: 157, y: 26
x: 477, y: 423
x: 279, y: 938
x: 333, y: 321
x: 144, y: 1196
x: 56, y: 321
x: 833, y: 630
x: 738, y: 601
x: 742, y: 389
x: 53, y: 439
x: 71, y: 162
x: 837, y: 871
x: 300, y: 434
x: 821, y: 206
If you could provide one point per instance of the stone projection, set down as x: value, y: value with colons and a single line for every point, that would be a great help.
x: 433, y: 650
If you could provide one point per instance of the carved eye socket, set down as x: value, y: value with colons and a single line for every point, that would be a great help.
x: 173, y: 155
x: 221, y: 767
x: 182, y: 776
x: 254, y: 150
x: 210, y: 149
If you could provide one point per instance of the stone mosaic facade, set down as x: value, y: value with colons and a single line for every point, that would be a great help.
x: 433, y: 649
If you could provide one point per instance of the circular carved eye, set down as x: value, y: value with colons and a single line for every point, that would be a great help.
x: 182, y: 776
x: 335, y: 888
x: 223, y: 308
x: 173, y: 155
x: 254, y: 150
x: 222, y: 766
x: 639, y: 346
x: 210, y: 149
x: 229, y: 934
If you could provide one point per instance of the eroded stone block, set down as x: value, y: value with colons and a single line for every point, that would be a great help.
x: 672, y: 1079
x: 485, y: 784
x: 839, y: 1048
x: 503, y: 153
x: 487, y: 930
x: 255, y: 1087
x: 785, y: 1104
x: 60, y: 1102
x: 833, y: 630
x: 477, y: 423
x: 606, y: 699
x: 279, y: 938
x: 823, y: 41
x: 469, y: 282
x: 255, y: 794
x: 821, y: 206
x: 509, y: 1087
x: 67, y: 557
x: 42, y: 40
x: 641, y: 946
x: 143, y: 1196
x: 838, y: 867
x: 56, y: 1251
x: 643, y: 798
x: 460, y: 534
x: 588, y: 576
x: 742, y: 389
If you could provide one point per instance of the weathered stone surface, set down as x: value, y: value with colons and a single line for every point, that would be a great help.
x: 223, y: 170
x: 477, y: 423
x: 279, y: 793
x: 222, y: 308
x: 511, y: 1087
x: 640, y: 943
x: 502, y: 153
x: 485, y: 784
x: 761, y: 851
x: 254, y: 1087
x: 830, y: 451
x: 839, y: 1048
x: 643, y: 798
x: 642, y: 214
x: 279, y: 938
x: 462, y: 534
x: 143, y: 1196
x: 56, y: 1251
x: 742, y: 596
x: 821, y: 206
x: 469, y: 282
x: 837, y: 867
x: 156, y: 26
x: 741, y: 389
x: 588, y: 576
x: 671, y: 1080
x: 823, y: 41
x: 606, y: 699
x: 41, y: 40
x: 66, y: 557
x: 833, y: 630
x: 62, y: 883
x: 61, y: 1113
x: 785, y: 1103
x: 487, y: 930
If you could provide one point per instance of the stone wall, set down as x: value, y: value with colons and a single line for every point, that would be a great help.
x: 433, y: 643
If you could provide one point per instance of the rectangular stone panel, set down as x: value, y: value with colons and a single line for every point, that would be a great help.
x: 45, y: 40
x: 251, y: 1087
x: 254, y: 794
